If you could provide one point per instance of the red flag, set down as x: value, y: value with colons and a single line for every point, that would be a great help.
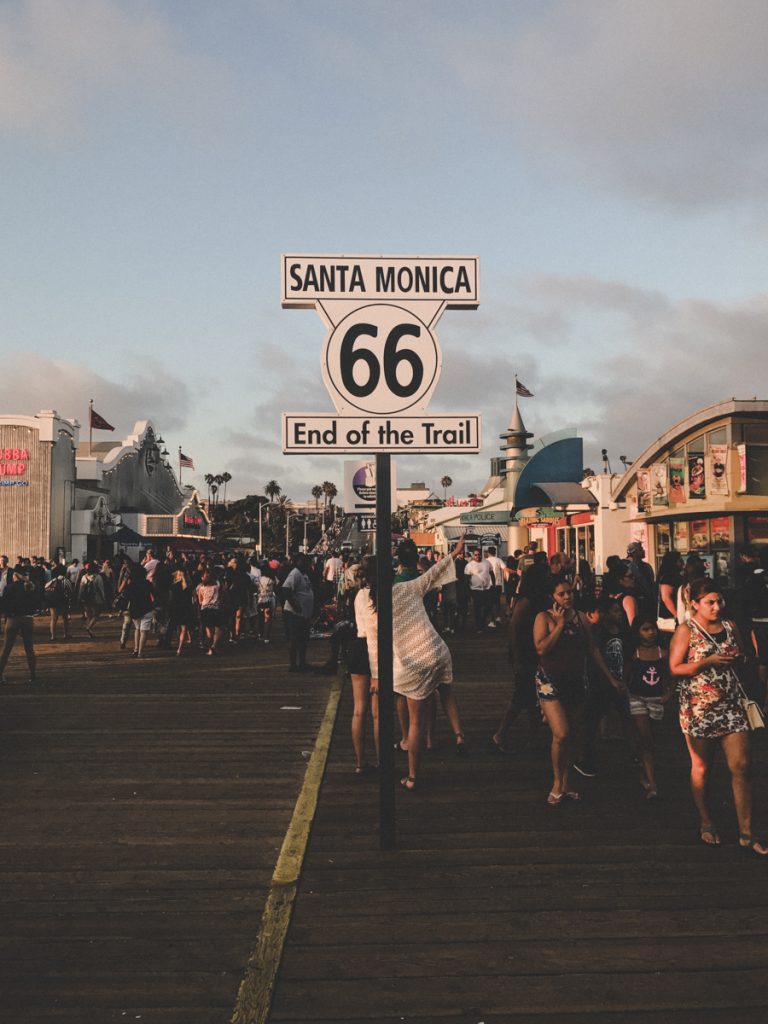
x: 98, y: 422
x: 185, y: 462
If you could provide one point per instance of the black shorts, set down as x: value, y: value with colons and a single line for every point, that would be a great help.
x: 760, y: 630
x: 357, y: 661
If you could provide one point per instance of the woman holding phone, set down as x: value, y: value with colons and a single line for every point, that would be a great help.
x: 703, y: 655
x: 564, y: 642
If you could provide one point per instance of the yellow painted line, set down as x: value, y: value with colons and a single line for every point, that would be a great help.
x: 254, y: 997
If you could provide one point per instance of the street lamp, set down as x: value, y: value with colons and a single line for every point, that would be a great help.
x: 288, y: 531
x: 261, y: 547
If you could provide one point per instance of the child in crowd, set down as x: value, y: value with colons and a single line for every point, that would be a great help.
x: 607, y: 622
x: 646, y: 674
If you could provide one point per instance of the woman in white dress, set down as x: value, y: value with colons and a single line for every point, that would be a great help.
x: 421, y: 659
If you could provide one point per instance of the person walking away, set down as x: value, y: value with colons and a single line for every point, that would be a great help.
x: 58, y: 597
x: 209, y: 598
x: 20, y: 605
x: 298, y: 608
x: 140, y: 601
x: 90, y: 594
x: 497, y: 589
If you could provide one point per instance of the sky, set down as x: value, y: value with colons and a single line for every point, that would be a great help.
x: 607, y: 160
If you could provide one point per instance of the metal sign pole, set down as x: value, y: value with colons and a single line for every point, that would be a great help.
x: 386, y: 693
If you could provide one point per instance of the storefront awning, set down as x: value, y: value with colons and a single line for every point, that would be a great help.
x: 565, y: 494
x: 125, y: 535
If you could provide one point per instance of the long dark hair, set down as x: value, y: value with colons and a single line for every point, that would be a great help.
x: 367, y: 574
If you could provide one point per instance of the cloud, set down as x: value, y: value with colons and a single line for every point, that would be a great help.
x: 60, y: 59
x: 152, y: 393
x: 662, y: 99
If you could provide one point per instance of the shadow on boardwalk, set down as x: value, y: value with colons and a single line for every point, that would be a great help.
x: 496, y: 907
x: 144, y: 805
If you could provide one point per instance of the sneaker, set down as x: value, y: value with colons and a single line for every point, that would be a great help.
x: 491, y: 625
x: 586, y: 770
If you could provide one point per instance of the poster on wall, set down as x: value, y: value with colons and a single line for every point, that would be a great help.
x: 696, y: 479
x: 360, y: 486
x: 741, y: 451
x: 677, y: 493
x: 682, y: 541
x: 644, y: 490
x: 709, y: 564
x: 659, y: 485
x: 757, y: 529
x: 699, y: 534
x: 722, y: 534
x: 717, y: 464
x: 663, y: 540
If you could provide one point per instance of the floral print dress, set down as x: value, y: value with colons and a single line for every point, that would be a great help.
x: 710, y: 701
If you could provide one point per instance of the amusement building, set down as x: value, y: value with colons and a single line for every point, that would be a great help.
x: 702, y: 487
x: 62, y: 498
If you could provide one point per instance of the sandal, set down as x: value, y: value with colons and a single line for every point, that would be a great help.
x: 750, y: 845
x: 400, y: 748
x: 364, y: 769
x: 710, y: 830
x: 409, y: 783
x: 572, y: 795
x: 499, y: 748
x: 461, y: 746
x: 555, y: 799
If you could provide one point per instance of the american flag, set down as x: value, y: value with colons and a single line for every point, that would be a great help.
x: 185, y: 462
x: 522, y: 390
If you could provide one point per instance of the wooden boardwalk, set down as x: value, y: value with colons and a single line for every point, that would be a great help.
x: 143, y: 807
x: 496, y: 907
x: 145, y: 803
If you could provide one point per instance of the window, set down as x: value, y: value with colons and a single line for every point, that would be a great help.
x: 756, y: 433
x: 719, y: 436
x: 696, y: 446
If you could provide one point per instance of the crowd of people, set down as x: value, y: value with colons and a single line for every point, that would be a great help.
x: 588, y: 656
x: 585, y: 658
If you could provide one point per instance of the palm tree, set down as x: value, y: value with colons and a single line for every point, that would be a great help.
x: 214, y: 492
x: 317, y: 493
x: 209, y: 480
x: 329, y: 492
x: 445, y: 483
x: 218, y: 480
x: 226, y: 477
x: 272, y: 489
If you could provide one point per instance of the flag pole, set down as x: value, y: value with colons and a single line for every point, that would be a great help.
x: 179, y: 465
x: 90, y: 427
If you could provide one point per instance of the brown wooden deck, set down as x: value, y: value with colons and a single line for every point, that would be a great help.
x: 144, y: 805
x: 496, y: 907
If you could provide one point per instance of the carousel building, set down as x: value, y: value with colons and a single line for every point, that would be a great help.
x: 61, y: 498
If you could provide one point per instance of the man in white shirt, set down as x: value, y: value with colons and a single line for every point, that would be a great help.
x: 497, y: 568
x: 478, y: 571
x: 331, y: 573
x: 150, y: 564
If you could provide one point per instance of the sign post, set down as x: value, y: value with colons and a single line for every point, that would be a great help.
x: 380, y: 364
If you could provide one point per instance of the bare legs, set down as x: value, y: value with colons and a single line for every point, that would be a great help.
x: 365, y: 693
x: 641, y: 726
x: 559, y: 726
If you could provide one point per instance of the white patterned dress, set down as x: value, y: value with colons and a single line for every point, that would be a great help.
x: 421, y: 659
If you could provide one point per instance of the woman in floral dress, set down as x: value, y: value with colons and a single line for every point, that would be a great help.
x: 703, y: 655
